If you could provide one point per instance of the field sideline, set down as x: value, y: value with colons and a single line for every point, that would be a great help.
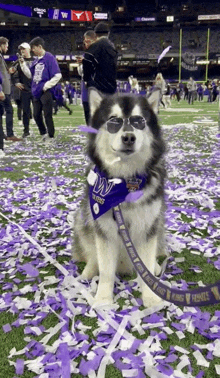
x: 47, y: 328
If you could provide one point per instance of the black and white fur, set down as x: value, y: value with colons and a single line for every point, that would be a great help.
x: 98, y: 242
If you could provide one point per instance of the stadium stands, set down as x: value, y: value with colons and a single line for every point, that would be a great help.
x: 137, y: 42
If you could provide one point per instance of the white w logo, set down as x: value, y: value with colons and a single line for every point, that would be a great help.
x: 102, y: 187
x: 64, y: 14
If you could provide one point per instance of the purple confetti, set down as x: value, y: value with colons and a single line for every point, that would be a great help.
x: 30, y: 270
x: 167, y: 370
x: 19, y: 366
x: 7, y: 169
x: 6, y: 328
x: 200, y: 374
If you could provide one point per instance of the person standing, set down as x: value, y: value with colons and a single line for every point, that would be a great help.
x: 23, y: 84
x: 209, y: 90
x: 88, y: 38
x: 214, y: 90
x: 192, y: 88
x: 68, y: 91
x: 45, y: 74
x: 59, y: 99
x: 2, y: 97
x: 100, y: 62
x: 6, y: 88
x: 200, y: 92
x: 160, y: 85
x: 178, y: 92
x: 166, y: 96
x: 134, y: 84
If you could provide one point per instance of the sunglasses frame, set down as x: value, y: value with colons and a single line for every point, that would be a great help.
x: 124, y: 122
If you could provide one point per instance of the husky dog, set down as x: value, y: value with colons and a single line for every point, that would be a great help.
x: 126, y: 154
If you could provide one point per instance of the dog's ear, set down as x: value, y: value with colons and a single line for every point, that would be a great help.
x: 95, y: 98
x: 153, y: 100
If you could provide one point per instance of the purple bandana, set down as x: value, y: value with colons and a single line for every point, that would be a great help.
x: 106, y: 193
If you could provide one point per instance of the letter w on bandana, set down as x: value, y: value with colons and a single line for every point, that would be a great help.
x: 105, y: 193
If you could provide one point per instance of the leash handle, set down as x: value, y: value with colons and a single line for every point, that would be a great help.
x: 203, y: 296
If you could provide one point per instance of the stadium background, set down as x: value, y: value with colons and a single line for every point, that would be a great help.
x: 140, y: 31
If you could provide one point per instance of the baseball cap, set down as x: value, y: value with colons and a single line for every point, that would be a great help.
x: 102, y: 28
x: 24, y: 45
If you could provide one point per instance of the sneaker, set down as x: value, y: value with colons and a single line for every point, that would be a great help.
x: 49, y: 141
x: 25, y: 135
x: 44, y: 137
x: 70, y: 112
x: 13, y: 138
x: 2, y: 154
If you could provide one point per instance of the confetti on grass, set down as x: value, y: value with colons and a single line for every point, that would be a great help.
x: 40, y: 285
x: 6, y: 328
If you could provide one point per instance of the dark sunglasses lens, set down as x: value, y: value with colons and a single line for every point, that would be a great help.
x: 138, y: 122
x: 114, y: 124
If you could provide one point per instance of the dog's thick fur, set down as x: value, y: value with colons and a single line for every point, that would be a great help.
x: 97, y: 242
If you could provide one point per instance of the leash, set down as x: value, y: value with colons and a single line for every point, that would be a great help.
x: 203, y: 296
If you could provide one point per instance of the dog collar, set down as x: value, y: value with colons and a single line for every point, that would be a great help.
x: 106, y: 193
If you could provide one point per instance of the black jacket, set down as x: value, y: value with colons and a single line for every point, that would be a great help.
x: 20, y: 77
x: 100, y: 66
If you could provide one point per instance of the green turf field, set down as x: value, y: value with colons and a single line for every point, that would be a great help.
x: 47, y: 328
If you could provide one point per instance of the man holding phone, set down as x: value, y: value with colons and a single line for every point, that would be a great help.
x: 23, y: 83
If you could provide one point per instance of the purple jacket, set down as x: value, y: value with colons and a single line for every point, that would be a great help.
x: 43, y: 69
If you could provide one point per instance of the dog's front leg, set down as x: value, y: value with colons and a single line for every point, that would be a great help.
x: 107, y: 262
x: 148, y: 253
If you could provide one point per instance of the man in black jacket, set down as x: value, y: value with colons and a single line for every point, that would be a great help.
x: 100, y: 62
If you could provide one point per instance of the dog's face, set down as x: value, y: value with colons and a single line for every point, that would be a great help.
x: 128, y: 130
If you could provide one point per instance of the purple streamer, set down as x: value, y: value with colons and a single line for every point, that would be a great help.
x: 65, y: 360
x: 88, y: 129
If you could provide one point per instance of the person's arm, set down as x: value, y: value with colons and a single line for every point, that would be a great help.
x: 80, y: 70
x: 89, y: 66
x: 2, y: 95
x: 54, y: 72
x: 52, y: 82
x: 25, y: 69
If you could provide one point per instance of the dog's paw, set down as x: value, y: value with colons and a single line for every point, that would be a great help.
x: 102, y: 302
x: 89, y: 272
x: 150, y: 300
x: 157, y: 269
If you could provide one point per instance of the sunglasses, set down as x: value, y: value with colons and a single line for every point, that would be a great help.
x: 115, y: 123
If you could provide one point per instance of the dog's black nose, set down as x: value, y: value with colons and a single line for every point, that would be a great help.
x: 128, y: 139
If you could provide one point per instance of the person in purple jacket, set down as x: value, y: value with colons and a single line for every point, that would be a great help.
x: 59, y: 100
x: 45, y: 73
